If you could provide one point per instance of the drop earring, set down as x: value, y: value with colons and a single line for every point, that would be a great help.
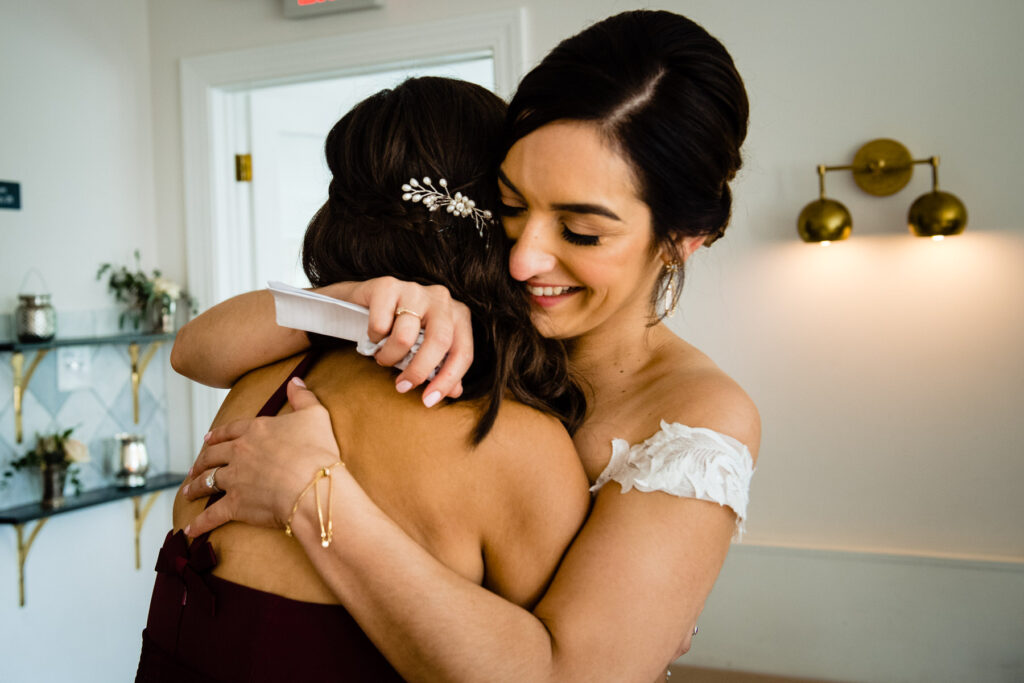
x: 671, y: 298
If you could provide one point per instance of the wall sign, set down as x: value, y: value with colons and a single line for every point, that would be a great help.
x: 296, y: 9
x: 10, y: 195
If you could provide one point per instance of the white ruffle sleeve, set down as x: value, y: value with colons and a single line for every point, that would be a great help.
x: 690, y: 462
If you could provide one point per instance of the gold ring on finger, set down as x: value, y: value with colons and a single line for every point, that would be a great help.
x: 400, y: 310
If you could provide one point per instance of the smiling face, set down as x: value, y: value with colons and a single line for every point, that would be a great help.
x: 583, y: 237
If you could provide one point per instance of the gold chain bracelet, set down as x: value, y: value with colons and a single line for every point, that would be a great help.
x: 326, y: 531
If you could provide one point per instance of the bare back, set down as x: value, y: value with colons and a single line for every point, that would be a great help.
x: 499, y: 514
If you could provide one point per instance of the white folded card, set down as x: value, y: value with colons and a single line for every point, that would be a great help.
x: 301, y: 309
x: 304, y: 310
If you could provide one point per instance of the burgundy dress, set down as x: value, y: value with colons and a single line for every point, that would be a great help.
x: 203, y: 628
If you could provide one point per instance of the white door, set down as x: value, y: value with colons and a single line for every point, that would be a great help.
x: 288, y: 126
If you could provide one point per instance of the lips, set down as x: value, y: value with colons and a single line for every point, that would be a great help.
x: 547, y: 291
x: 550, y: 295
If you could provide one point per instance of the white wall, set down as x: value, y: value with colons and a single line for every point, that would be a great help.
x: 884, y: 515
x: 76, y: 131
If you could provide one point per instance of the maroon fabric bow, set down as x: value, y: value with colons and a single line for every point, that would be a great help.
x: 191, y: 564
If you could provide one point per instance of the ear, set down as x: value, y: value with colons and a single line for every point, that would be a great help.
x: 685, y: 246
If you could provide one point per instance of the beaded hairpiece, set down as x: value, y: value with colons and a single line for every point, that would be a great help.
x: 459, y: 204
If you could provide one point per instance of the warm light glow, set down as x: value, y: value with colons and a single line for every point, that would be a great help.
x: 938, y: 238
x: 825, y: 243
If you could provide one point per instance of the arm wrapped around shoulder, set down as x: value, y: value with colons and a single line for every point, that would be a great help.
x: 690, y: 462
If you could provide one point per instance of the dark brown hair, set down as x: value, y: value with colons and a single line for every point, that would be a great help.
x: 438, y: 128
x: 667, y: 95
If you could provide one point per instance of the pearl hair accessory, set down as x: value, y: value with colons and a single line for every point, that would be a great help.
x: 459, y: 204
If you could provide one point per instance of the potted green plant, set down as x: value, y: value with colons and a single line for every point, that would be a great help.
x: 57, y: 457
x: 151, y: 299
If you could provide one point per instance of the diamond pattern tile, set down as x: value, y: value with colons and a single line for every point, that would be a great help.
x: 122, y: 412
x: 82, y: 411
x: 98, y: 412
x: 6, y: 380
x: 43, y: 384
x: 35, y: 420
x: 155, y: 376
x: 111, y: 372
x: 6, y: 430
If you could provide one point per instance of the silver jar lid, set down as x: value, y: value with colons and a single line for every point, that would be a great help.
x: 35, y: 299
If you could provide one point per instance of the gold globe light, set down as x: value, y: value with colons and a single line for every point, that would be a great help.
x: 824, y: 220
x: 937, y: 214
x: 883, y: 167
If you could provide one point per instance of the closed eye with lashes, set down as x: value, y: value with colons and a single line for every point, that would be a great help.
x: 577, y: 238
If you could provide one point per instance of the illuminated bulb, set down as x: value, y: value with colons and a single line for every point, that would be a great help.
x: 938, y: 238
x: 825, y: 243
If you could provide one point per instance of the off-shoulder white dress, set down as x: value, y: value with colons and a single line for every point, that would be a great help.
x: 690, y: 462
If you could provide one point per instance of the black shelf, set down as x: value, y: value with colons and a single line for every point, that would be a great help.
x: 26, y: 513
x: 129, y: 338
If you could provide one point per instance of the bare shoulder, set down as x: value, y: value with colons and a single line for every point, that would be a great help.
x: 694, y: 391
x: 530, y: 450
x: 536, y: 499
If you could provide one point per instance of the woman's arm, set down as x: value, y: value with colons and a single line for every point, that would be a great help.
x: 232, y: 338
x: 627, y: 593
x: 241, y: 334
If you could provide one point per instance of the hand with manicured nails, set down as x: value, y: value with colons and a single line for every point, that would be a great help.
x: 286, y: 450
x: 447, y: 334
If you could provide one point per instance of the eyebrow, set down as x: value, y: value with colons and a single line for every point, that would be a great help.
x: 572, y: 207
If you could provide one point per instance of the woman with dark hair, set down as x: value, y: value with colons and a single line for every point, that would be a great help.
x: 622, y: 144
x: 491, y: 487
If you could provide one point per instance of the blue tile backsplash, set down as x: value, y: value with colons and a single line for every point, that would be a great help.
x: 97, y: 411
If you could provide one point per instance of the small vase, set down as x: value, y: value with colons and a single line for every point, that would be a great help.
x: 54, y: 478
x: 161, y: 315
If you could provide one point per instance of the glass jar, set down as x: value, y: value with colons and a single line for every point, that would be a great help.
x: 35, y: 318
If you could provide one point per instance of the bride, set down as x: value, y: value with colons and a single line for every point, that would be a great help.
x: 622, y: 144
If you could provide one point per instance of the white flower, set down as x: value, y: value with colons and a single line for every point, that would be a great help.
x: 76, y: 451
x: 165, y: 287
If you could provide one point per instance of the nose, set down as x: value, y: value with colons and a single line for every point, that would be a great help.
x: 531, y: 253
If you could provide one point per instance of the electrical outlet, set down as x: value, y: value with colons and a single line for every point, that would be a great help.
x: 74, y: 368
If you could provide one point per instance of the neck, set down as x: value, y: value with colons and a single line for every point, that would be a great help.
x: 610, y: 357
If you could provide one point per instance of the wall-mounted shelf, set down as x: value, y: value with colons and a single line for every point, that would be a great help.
x: 34, y: 512
x: 139, y: 361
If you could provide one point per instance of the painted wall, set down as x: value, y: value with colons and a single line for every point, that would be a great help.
x: 884, y: 518
x: 76, y: 132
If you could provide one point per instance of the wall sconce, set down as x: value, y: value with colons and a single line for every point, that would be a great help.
x: 883, y: 167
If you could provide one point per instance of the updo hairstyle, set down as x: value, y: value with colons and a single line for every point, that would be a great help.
x: 437, y: 128
x: 667, y: 96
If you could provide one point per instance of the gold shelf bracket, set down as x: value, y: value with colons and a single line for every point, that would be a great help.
x: 21, y: 380
x: 138, y: 368
x: 23, y: 548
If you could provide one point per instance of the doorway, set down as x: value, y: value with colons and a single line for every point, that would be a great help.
x: 287, y: 127
x: 219, y: 94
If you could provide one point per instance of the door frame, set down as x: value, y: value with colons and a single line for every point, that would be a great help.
x: 216, y: 210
